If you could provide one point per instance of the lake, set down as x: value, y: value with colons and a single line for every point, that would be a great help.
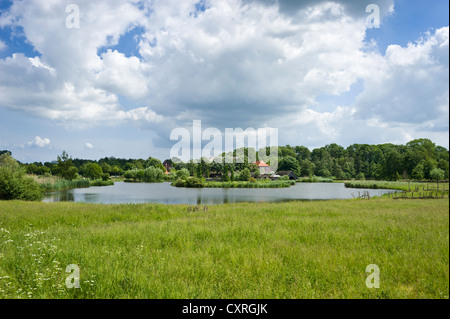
x: 165, y: 194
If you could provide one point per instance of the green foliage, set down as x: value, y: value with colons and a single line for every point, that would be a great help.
x: 183, y: 173
x: 65, y: 167
x: 14, y: 184
x: 92, y: 171
x: 307, y: 168
x: 60, y: 184
x: 190, y: 182
x: 37, y: 169
x: 105, y: 176
x: 288, y: 163
x: 437, y: 174
x: 101, y: 183
x: 253, y: 183
x: 416, y: 159
x: 150, y: 175
x: 315, y: 179
x: 245, y: 175
x: 154, y: 162
x: 417, y: 172
x: 225, y: 176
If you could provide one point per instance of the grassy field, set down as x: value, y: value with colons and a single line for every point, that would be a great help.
x: 280, y: 250
x: 400, y: 185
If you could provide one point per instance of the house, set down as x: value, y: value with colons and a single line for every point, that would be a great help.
x: 263, y: 167
x: 291, y: 174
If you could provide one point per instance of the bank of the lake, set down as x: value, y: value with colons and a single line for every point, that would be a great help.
x: 267, y: 250
x: 164, y: 193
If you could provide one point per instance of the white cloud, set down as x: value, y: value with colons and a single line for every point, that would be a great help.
x: 3, y: 46
x: 89, y: 146
x: 239, y: 63
x: 411, y: 84
x: 40, y: 142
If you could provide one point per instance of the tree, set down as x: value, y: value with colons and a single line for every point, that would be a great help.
x: 106, y: 168
x: 71, y: 173
x: 199, y: 171
x: 245, y: 175
x: 225, y: 176
x: 151, y: 161
x: 65, y: 167
x: 417, y: 172
x: 14, y: 184
x: 428, y: 165
x: 307, y: 168
x: 92, y: 171
x: 183, y: 173
x: 303, y: 153
x: 288, y: 163
x: 6, y: 160
x: 443, y: 164
x: 153, y: 174
x: 392, y: 164
x: 437, y: 174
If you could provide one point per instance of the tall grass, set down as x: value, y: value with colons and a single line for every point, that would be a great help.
x: 399, y: 185
x: 101, y: 183
x: 257, y: 184
x: 284, y: 250
x: 315, y: 179
x: 60, y: 184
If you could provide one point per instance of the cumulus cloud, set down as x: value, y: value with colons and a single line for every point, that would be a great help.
x: 89, y: 146
x: 40, y: 142
x: 70, y: 82
x: 236, y: 63
x: 352, y: 7
x: 411, y: 84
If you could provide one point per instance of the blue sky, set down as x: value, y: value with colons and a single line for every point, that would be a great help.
x: 119, y: 84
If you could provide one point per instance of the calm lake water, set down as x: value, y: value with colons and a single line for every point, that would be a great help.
x: 166, y: 194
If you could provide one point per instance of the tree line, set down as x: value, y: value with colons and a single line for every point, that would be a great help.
x: 415, y: 160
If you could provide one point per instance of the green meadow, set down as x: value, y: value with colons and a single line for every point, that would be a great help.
x: 275, y: 250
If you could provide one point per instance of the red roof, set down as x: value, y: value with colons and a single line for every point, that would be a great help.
x: 261, y: 164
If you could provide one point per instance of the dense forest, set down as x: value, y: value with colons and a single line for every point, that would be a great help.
x: 415, y: 160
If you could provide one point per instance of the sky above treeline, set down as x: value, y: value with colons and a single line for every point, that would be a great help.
x: 114, y: 78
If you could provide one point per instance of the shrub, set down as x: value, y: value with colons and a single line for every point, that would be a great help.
x: 183, y: 173
x: 14, y: 184
x: 105, y: 177
x: 191, y: 182
x: 245, y: 175
x: 150, y: 174
x: 101, y: 183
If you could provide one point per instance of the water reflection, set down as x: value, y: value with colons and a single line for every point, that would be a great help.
x: 166, y: 194
x: 60, y: 196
